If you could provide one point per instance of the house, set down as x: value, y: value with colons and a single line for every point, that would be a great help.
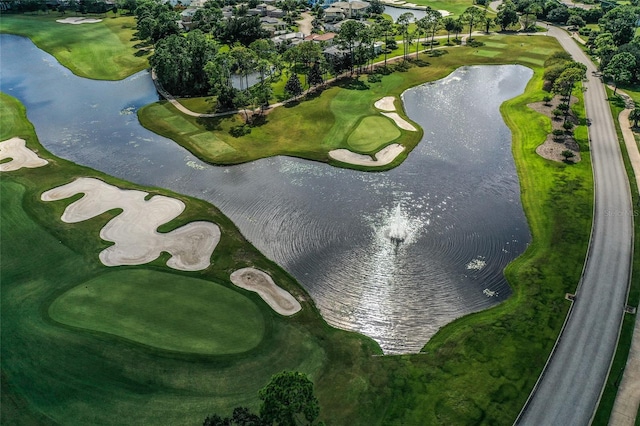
x: 333, y: 14
x: 274, y: 26
x: 326, y: 39
x: 227, y: 12
x: 290, y: 39
x: 352, y: 9
x: 186, y: 17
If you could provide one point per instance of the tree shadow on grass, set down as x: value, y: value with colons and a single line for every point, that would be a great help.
x: 292, y: 103
x: 353, y: 83
x: 617, y: 101
x: 142, y: 52
x: 210, y: 123
x: 422, y: 63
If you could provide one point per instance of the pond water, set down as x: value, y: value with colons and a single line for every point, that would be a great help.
x: 393, y: 255
x: 395, y: 12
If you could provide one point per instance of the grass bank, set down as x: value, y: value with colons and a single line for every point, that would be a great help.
x: 90, y: 370
x: 479, y: 369
x: 330, y: 119
x: 105, y: 50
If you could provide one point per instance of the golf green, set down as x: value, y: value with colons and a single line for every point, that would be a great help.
x: 372, y: 134
x: 163, y: 310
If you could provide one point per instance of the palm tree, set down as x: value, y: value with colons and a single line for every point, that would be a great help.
x: 449, y: 25
x: 403, y: 26
x: 385, y: 27
x: 473, y: 16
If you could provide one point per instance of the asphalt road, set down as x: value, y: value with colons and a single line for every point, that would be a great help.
x: 569, y: 389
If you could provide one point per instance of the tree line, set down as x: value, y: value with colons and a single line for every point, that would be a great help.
x: 288, y: 400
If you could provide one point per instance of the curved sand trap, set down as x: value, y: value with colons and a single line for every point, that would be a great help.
x: 260, y: 282
x: 444, y: 13
x: 385, y: 156
x: 386, y: 103
x: 78, y: 20
x: 21, y: 156
x: 134, y: 230
x: 400, y: 122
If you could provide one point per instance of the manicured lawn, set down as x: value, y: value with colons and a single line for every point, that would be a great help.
x: 372, y: 134
x: 479, y: 369
x: 52, y: 372
x: 102, y: 51
x: 326, y: 121
x: 140, y: 305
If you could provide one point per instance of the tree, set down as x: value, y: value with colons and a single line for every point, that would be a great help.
x: 293, y: 87
x: 375, y: 7
x: 241, y: 416
x: 384, y: 27
x: 531, y: 14
x: 620, y: 69
x: 430, y: 22
x: 488, y: 22
x: 605, y: 48
x: 449, y: 25
x: 635, y: 116
x: 559, y: 14
x: 348, y: 36
x: 287, y: 397
x: 621, y: 23
x: 576, y: 21
x: 403, y: 26
x: 507, y: 15
x: 243, y: 29
x: 315, y: 75
x: 473, y: 16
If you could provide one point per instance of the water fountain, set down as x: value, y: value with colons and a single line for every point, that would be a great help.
x: 398, y: 227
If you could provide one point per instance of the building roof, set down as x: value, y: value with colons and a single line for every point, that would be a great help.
x: 354, y: 5
x: 321, y: 37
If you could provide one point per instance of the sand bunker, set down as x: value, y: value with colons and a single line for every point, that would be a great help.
x: 134, y: 231
x: 260, y: 282
x: 385, y: 156
x: 400, y: 122
x: 444, y: 13
x: 78, y: 20
x: 386, y: 103
x: 21, y: 156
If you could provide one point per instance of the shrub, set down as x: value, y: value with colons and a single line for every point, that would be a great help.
x: 567, y: 125
x: 558, y: 132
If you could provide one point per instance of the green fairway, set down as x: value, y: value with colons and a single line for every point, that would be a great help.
x: 102, y: 51
x: 329, y: 120
x: 477, y: 370
x: 372, y: 134
x: 140, y: 305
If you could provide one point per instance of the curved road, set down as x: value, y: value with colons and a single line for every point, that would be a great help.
x: 569, y: 388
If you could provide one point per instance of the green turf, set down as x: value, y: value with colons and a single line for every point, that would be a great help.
x: 325, y: 121
x: 139, y: 305
x: 103, y: 51
x: 477, y: 370
x: 372, y: 134
x: 52, y: 373
x: 487, y: 53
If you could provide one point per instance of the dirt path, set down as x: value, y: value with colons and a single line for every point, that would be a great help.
x: 304, y: 25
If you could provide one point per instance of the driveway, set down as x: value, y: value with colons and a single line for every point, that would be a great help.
x: 568, y: 390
